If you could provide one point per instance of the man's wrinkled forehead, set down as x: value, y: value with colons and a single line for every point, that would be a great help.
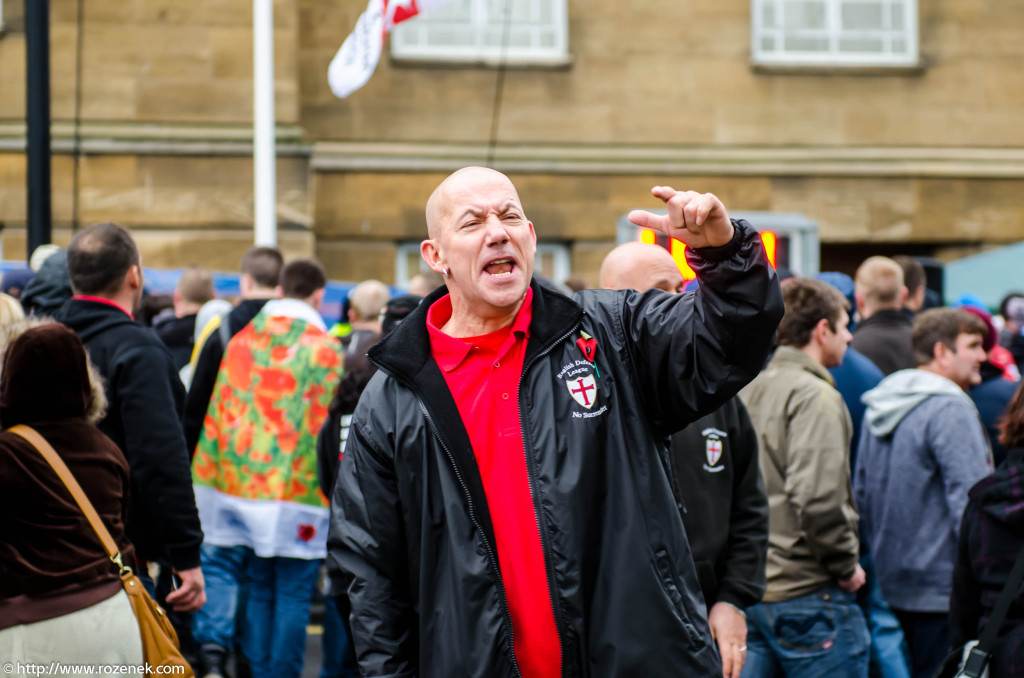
x: 470, y: 190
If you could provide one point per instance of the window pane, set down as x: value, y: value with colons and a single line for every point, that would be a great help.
x: 833, y: 32
x: 798, y: 44
x: 810, y: 14
x: 862, y: 45
x: 897, y: 16
x: 860, y: 16
x: 475, y: 29
x: 544, y: 12
x: 449, y: 35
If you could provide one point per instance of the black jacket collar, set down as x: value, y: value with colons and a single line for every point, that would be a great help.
x: 404, y: 352
x: 888, y: 317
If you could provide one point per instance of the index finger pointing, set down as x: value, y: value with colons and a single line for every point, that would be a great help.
x: 663, y: 192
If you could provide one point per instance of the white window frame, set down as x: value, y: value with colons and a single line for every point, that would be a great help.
x: 481, y: 51
x: 559, y: 251
x: 834, y: 31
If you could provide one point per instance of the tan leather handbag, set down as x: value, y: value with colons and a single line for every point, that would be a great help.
x: 159, y: 641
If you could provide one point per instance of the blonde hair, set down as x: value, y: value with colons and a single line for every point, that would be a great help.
x: 10, y: 310
x: 879, y: 281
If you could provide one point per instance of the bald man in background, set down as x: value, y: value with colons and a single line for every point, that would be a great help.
x: 716, y: 477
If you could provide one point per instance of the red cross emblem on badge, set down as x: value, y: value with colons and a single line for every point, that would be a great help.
x: 714, y: 449
x: 583, y: 391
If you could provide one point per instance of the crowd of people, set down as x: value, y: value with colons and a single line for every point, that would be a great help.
x: 497, y: 475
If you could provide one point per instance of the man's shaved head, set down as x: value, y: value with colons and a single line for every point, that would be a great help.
x: 639, y: 266
x: 482, y: 243
x: 437, y: 204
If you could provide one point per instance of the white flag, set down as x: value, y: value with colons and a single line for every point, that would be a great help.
x: 355, y: 62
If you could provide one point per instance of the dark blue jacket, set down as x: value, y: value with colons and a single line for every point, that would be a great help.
x: 992, y: 396
x: 855, y: 376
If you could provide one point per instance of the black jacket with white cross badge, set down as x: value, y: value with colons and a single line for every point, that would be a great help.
x: 724, y: 505
x: 411, y: 541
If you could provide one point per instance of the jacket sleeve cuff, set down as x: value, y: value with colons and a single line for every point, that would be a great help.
x: 184, y: 557
x: 740, y: 232
x: 736, y: 600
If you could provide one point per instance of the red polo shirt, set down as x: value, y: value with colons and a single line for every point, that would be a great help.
x: 483, y: 374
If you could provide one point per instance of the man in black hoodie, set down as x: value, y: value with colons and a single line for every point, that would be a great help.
x: 261, y: 269
x: 145, y: 396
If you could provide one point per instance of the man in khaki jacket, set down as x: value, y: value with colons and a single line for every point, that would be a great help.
x: 808, y: 622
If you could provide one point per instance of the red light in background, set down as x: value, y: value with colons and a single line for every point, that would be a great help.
x: 770, y: 241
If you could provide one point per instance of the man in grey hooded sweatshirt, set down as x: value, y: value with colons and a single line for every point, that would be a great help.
x: 922, y: 448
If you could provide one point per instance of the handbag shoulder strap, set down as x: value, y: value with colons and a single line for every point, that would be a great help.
x: 64, y: 473
x: 995, y: 622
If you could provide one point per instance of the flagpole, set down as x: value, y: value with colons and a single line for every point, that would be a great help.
x: 264, y: 142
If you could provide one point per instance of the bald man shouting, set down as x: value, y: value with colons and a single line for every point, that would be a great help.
x: 714, y: 465
x: 501, y: 509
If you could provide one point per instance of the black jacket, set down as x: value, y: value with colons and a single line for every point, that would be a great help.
x: 885, y: 339
x: 725, y: 509
x: 411, y: 540
x: 145, y: 398
x: 207, y: 366
x: 991, y: 536
x: 178, y: 335
x: 50, y: 288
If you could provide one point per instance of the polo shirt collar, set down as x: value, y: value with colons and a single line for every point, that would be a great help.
x: 450, y: 352
x: 102, y: 300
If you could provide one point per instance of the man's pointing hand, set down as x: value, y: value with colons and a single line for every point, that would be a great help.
x: 695, y: 219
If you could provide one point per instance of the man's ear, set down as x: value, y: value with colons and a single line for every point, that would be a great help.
x: 819, y: 330
x: 432, y: 255
x: 133, y: 278
x: 904, y: 292
x: 317, y: 300
x: 939, y: 351
x: 858, y: 300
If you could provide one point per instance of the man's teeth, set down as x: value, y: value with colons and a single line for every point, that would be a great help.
x: 495, y: 268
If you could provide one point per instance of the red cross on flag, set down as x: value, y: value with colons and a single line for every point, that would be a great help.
x: 355, y: 62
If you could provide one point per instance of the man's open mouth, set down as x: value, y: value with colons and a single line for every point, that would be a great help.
x: 500, y: 268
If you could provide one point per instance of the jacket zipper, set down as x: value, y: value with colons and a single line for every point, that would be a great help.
x: 531, y: 475
x: 472, y: 516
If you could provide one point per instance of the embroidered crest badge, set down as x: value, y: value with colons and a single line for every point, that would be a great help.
x: 714, y: 450
x: 583, y: 391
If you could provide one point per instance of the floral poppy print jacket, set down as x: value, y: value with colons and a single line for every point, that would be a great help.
x: 255, y: 466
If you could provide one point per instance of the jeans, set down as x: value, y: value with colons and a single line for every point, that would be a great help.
x: 888, y: 652
x: 820, y: 634
x: 339, y: 655
x: 927, y: 636
x: 279, y: 601
x: 226, y: 571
